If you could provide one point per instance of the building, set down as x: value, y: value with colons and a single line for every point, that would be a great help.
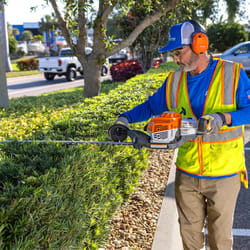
x: 33, y: 27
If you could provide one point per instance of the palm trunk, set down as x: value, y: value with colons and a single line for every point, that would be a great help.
x: 4, y: 99
x: 5, y: 40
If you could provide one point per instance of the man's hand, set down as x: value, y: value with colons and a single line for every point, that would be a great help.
x: 119, y: 130
x: 214, y: 121
x: 123, y: 120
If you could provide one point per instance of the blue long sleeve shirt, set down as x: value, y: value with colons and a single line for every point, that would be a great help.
x: 197, y: 89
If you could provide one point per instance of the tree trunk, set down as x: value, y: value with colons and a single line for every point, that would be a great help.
x: 92, y: 78
x: 147, y: 60
x: 146, y: 57
x: 5, y: 40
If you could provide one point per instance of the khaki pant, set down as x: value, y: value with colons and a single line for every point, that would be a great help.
x: 198, y: 199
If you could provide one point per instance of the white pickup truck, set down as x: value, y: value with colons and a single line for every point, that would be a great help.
x: 66, y: 64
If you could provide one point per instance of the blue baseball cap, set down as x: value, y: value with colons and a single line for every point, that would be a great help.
x: 179, y: 35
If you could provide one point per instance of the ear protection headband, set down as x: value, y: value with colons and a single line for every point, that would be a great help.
x: 199, y: 38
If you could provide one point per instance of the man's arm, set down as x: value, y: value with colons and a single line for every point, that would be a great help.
x: 242, y: 115
x: 155, y: 105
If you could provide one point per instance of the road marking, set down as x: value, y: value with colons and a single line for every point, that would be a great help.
x: 238, y: 232
x: 241, y: 232
x: 246, y: 148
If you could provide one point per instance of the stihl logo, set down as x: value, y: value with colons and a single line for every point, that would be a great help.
x: 157, y: 136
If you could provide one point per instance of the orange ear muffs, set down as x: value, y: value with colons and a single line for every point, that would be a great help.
x: 199, y: 38
x: 200, y: 43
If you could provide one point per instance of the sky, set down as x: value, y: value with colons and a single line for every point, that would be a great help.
x: 18, y: 11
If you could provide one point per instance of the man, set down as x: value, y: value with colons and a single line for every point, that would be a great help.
x: 209, y: 169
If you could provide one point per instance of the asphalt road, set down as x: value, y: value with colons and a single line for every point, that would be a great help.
x: 37, y: 85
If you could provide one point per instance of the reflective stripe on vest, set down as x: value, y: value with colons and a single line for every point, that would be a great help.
x: 226, y: 135
x: 203, y: 156
x: 228, y: 78
x: 174, y: 78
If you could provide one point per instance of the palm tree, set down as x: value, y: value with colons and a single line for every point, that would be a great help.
x: 48, y: 24
x: 15, y: 32
x: 233, y: 7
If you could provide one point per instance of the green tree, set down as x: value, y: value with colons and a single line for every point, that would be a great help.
x: 15, y: 32
x: 222, y: 35
x: 204, y: 10
x: 38, y: 38
x: 12, y: 45
x: 73, y: 22
x: 233, y: 8
x: 26, y: 36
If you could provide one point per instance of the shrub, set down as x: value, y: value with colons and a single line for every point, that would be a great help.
x: 125, y: 70
x: 27, y: 64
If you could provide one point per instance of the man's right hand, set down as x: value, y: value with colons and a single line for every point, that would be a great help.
x: 119, y: 130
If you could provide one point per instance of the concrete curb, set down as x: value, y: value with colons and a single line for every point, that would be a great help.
x: 167, y: 234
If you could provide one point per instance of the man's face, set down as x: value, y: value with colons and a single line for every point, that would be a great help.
x: 185, y: 58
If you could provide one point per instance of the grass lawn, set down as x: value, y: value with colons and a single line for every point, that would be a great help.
x: 22, y: 73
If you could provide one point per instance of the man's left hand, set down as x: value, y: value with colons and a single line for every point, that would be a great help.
x: 214, y: 122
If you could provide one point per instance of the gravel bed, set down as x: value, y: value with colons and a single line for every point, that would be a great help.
x: 134, y: 224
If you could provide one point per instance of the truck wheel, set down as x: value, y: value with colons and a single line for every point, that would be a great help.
x: 49, y: 76
x: 104, y: 71
x: 71, y: 74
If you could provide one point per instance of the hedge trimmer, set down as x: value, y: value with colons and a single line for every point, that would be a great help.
x: 168, y: 131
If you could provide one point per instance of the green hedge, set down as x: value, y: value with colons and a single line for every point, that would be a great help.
x: 63, y: 196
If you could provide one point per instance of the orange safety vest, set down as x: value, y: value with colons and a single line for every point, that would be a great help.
x: 221, y: 154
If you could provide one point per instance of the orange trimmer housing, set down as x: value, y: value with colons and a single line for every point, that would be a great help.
x: 164, y: 122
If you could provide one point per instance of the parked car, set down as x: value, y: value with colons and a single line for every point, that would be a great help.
x: 37, y: 48
x: 66, y: 64
x: 118, y: 57
x: 239, y: 53
x: 22, y: 47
